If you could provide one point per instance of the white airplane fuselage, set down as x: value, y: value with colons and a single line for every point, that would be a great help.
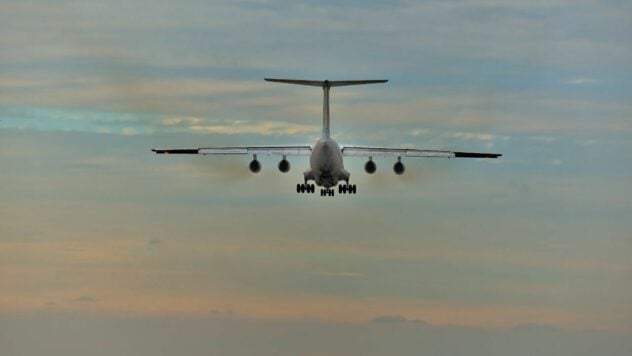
x: 326, y: 165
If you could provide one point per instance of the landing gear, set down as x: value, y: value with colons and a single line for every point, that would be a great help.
x: 327, y: 192
x: 305, y: 188
x: 347, y: 188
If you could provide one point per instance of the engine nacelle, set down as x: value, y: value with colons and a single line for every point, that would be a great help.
x: 254, y: 166
x: 370, y: 167
x: 284, y: 166
x: 399, y: 167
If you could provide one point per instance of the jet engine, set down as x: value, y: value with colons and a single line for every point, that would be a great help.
x: 284, y: 165
x: 370, y: 167
x: 255, y: 166
x: 399, y: 167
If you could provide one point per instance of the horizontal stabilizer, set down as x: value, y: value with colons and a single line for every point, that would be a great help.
x: 326, y: 83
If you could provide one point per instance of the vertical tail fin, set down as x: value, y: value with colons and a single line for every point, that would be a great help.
x: 326, y: 84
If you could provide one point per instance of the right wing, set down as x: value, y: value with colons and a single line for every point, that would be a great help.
x: 263, y: 150
x: 410, y: 152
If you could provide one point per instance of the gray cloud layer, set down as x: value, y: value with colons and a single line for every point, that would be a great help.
x: 67, y: 334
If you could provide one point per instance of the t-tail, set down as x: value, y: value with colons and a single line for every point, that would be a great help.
x: 326, y: 84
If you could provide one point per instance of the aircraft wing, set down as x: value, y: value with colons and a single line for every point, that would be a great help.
x: 244, y: 150
x: 410, y: 152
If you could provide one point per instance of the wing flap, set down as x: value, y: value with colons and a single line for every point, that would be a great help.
x: 393, y: 152
x: 262, y: 150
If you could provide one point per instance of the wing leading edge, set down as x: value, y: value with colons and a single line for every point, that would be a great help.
x: 411, y: 152
x: 261, y: 150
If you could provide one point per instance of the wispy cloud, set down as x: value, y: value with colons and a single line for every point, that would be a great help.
x: 581, y: 81
x: 267, y: 128
x: 129, y: 131
x: 85, y: 299
x: 339, y: 274
x: 181, y: 121
x: 395, y: 319
x: 473, y: 136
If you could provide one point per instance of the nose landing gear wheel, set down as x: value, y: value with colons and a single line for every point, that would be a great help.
x: 327, y: 192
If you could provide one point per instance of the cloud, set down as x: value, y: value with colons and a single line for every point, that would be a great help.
x: 339, y: 274
x: 581, y: 81
x: 389, y: 319
x: 129, y: 131
x: 546, y: 139
x: 266, y: 128
x: 473, y: 136
x: 170, y: 335
x: 215, y: 313
x: 395, y: 319
x: 534, y: 327
x: 85, y: 299
x: 419, y: 132
x: 181, y: 121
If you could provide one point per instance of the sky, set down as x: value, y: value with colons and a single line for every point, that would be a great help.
x: 108, y: 249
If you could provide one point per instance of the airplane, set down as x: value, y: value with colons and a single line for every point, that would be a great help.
x: 326, y: 156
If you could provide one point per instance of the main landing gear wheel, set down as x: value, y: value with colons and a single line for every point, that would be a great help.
x: 347, y: 188
x: 305, y: 188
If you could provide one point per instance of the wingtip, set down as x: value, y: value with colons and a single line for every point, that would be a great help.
x: 476, y: 155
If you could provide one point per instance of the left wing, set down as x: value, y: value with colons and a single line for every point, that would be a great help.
x: 262, y: 150
x: 411, y: 152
